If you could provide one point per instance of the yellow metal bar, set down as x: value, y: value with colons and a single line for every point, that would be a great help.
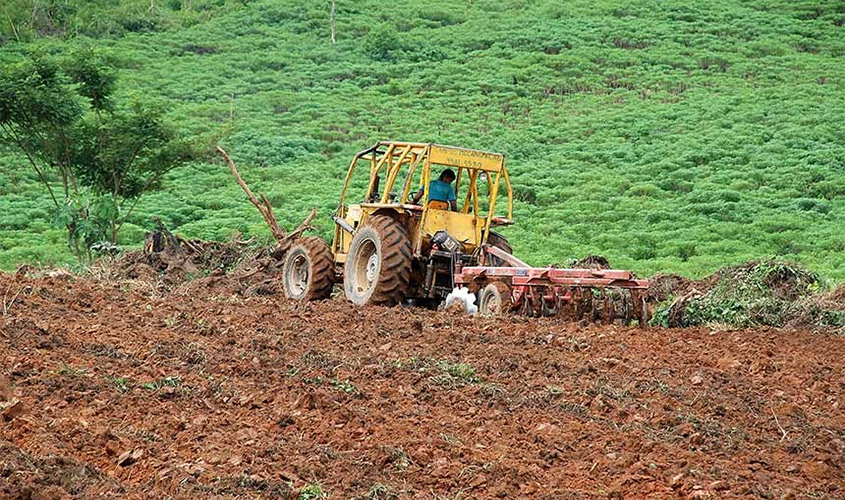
x: 373, y: 166
x: 376, y: 169
x: 472, y: 175
x: 458, y: 180
x: 426, y: 176
x: 510, y: 192
x: 493, y: 194
x: 341, y: 211
x: 393, y: 172
x: 406, y: 191
x: 401, y: 144
x: 346, y: 184
x: 490, y: 188
x: 475, y: 196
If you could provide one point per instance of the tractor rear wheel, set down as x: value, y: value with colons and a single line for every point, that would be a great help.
x: 307, y: 273
x: 378, y: 266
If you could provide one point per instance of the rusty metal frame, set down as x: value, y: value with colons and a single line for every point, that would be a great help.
x: 550, y: 276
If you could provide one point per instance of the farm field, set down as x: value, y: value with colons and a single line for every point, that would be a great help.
x: 680, y: 137
x: 207, y: 392
x: 697, y: 144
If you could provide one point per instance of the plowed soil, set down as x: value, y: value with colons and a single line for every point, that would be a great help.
x: 206, y: 393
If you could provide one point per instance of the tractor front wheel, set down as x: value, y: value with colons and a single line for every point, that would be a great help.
x: 307, y: 273
x: 378, y: 266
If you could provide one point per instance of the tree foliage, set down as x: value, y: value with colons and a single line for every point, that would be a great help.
x: 60, y: 114
x: 26, y: 20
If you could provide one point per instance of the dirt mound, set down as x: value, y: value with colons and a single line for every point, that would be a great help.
x: 250, y: 278
x: 824, y: 310
x: 663, y: 286
x: 25, y: 477
x: 770, y: 293
x: 596, y: 262
x: 837, y: 296
x: 167, y: 261
x: 214, y: 394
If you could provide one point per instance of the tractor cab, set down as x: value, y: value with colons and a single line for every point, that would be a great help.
x: 392, y: 174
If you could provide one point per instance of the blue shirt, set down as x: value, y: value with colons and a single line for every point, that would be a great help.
x: 441, y: 191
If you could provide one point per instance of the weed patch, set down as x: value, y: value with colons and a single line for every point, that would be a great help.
x: 68, y: 370
x: 161, y: 383
x: 312, y: 491
x: 379, y: 491
x: 454, y: 375
x: 767, y: 293
x: 122, y: 384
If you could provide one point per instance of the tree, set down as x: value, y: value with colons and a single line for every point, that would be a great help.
x: 38, y: 106
x: 334, y: 33
x: 103, y: 155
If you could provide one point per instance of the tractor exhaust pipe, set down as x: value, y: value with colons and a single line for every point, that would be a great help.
x: 344, y: 225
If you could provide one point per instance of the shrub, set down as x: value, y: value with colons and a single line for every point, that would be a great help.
x: 644, y: 249
x: 383, y: 43
x: 686, y: 251
x: 812, y: 205
x: 647, y: 190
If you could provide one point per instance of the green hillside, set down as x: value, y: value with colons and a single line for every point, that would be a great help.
x: 670, y: 137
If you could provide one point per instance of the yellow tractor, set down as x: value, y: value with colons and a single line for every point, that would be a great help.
x: 386, y: 248
x: 394, y: 243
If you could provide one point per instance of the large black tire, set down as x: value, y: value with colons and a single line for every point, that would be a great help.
x: 308, y: 271
x: 497, y: 240
x: 378, y: 266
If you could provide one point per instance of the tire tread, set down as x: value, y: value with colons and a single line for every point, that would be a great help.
x: 321, y: 260
x: 396, y: 260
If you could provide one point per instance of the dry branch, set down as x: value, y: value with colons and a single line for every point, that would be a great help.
x: 304, y: 226
x: 334, y: 33
x: 285, y: 244
x: 777, y: 422
x: 8, y: 305
x: 263, y: 205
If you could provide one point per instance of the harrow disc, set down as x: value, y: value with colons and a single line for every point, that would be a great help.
x: 607, y: 305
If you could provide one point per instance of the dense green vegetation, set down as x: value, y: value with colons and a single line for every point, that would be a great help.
x: 61, y: 117
x: 669, y: 137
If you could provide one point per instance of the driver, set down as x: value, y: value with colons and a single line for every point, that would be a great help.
x: 441, y: 194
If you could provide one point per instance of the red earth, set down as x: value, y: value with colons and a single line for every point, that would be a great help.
x: 115, y: 390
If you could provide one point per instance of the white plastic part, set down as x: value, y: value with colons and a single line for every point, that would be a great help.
x: 462, y: 295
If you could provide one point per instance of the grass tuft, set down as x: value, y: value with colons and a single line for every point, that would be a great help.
x: 312, y: 491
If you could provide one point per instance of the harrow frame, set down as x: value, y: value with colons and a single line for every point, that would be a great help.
x: 547, y: 291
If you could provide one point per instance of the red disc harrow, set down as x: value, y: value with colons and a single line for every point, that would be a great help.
x: 600, y: 295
